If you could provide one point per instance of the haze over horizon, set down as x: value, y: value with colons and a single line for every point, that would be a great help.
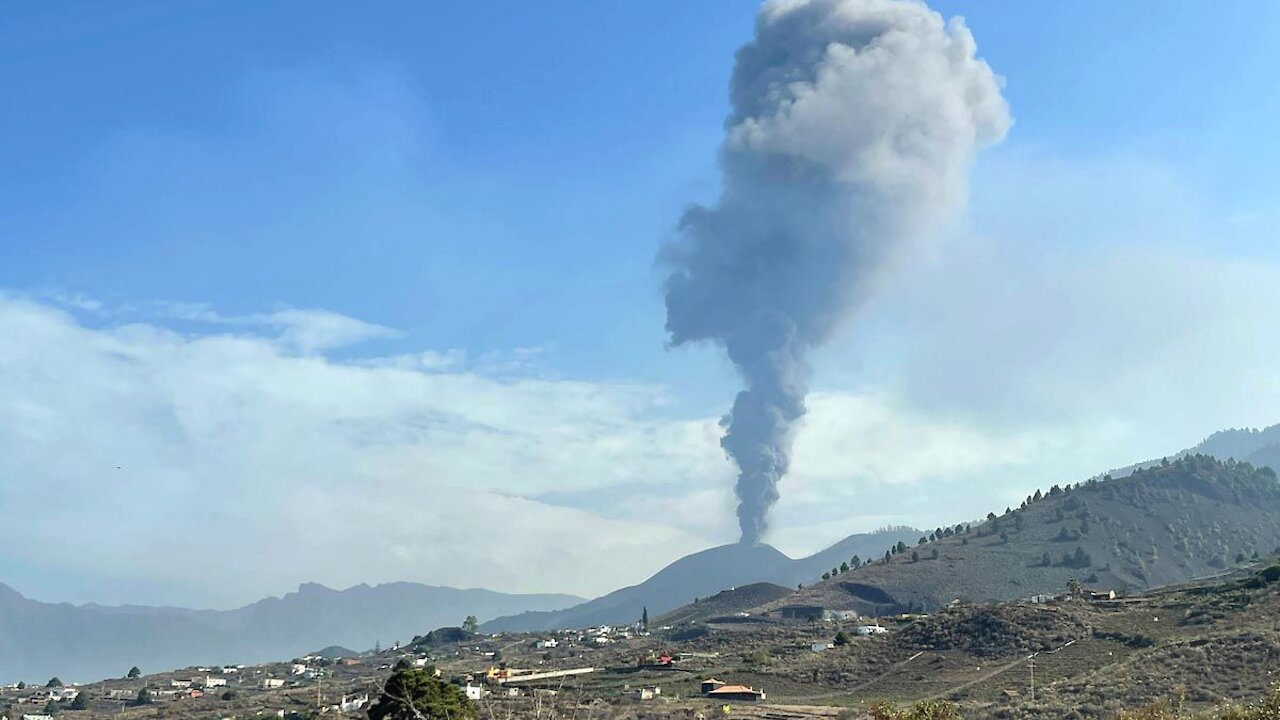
x: 327, y: 295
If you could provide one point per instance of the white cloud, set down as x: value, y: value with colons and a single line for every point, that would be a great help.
x: 312, y: 331
x: 176, y: 458
x: 1033, y: 355
x: 186, y: 459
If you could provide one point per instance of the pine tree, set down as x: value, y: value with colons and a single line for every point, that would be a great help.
x: 419, y: 695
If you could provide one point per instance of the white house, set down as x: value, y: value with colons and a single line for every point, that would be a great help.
x: 869, y: 630
x: 647, y: 693
x: 211, y: 681
x: 272, y: 683
x: 548, y: 644
x: 297, y: 668
x: 475, y: 692
x: 230, y: 670
x: 353, y: 702
x: 600, y: 640
x: 180, y: 683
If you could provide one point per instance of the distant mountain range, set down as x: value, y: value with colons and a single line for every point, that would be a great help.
x: 1260, y: 448
x: 703, y: 574
x: 90, y: 642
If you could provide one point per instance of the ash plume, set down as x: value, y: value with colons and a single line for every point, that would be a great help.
x: 853, y: 125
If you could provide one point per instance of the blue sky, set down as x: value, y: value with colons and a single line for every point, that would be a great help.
x: 526, y: 158
x: 493, y: 180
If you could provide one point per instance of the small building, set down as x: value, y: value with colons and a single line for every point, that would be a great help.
x: 190, y: 693
x: 711, y: 684
x: 736, y: 693
x: 211, y: 682
x: 297, y: 668
x: 230, y: 670
x: 1100, y: 595
x: 37, y: 717
x: 549, y: 644
x: 181, y: 683
x: 272, y: 683
x: 865, y: 630
x: 646, y: 693
x: 1040, y: 599
x: 474, y: 692
x: 352, y: 703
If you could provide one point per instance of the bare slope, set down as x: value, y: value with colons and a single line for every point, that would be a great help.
x: 1192, y: 518
x: 726, y: 603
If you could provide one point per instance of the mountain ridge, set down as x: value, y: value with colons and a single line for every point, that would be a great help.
x: 89, y: 641
x: 702, y: 574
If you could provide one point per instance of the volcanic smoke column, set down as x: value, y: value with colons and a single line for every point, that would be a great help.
x: 853, y: 125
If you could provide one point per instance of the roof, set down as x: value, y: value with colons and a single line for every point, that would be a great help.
x: 734, y: 690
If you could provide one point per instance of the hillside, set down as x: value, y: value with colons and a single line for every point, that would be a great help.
x: 87, y: 642
x: 700, y: 575
x: 1192, y: 518
x: 726, y: 603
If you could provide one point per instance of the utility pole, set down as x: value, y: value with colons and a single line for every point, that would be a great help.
x: 1033, y: 677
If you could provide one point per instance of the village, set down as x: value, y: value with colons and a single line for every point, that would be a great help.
x: 615, y: 664
x: 781, y: 660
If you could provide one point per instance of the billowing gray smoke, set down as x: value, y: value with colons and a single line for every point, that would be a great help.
x: 852, y: 128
